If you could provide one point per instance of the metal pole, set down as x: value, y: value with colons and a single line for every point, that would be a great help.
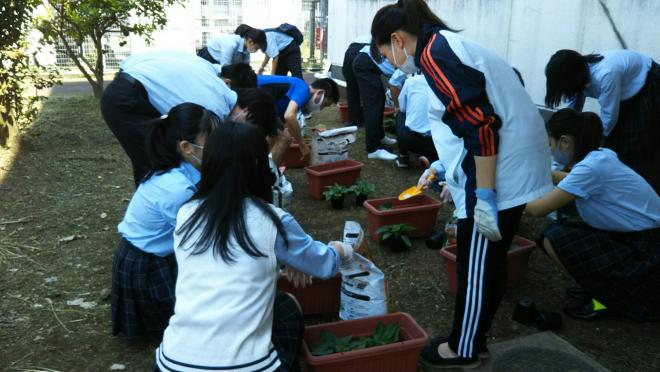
x: 312, y: 30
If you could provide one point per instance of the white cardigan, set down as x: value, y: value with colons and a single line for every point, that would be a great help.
x: 223, y: 314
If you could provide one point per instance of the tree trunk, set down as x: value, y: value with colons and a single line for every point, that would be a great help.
x: 97, y: 37
x: 97, y: 88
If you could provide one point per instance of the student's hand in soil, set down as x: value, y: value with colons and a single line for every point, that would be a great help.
x: 305, y: 150
x: 299, y: 280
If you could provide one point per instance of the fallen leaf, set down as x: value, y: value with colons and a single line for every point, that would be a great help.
x: 117, y: 366
x: 67, y: 239
x: 51, y: 279
x: 82, y: 303
x: 104, y: 215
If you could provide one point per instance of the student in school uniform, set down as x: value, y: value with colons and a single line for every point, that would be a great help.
x: 144, y: 269
x: 229, y: 242
x: 365, y: 89
x: 492, y: 145
x: 627, y: 86
x: 149, y: 85
x: 239, y: 76
x: 230, y: 49
x: 293, y: 97
x: 413, y: 132
x: 614, y: 254
x: 285, y: 53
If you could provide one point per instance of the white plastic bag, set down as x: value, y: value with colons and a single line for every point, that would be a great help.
x: 362, y: 289
x: 282, y: 189
x: 332, y: 145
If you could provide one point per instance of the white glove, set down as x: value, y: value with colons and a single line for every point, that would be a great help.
x: 445, y: 195
x: 348, y: 250
x: 424, y: 180
x: 486, y: 221
x: 299, y: 280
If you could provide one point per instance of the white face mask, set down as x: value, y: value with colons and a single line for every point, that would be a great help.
x: 198, y: 160
x: 408, y: 67
x: 240, y: 116
x: 314, y: 106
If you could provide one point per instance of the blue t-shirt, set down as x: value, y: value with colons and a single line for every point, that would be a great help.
x: 151, y: 214
x: 610, y: 195
x: 285, y: 89
x: 173, y: 77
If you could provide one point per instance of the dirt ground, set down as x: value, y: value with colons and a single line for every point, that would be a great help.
x: 65, y: 193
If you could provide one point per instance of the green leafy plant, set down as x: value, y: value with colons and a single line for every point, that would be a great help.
x: 363, y: 187
x: 383, y: 334
x: 335, y: 191
x: 396, y: 231
x: 385, y: 206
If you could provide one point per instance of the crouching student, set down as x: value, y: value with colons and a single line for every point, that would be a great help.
x: 229, y: 240
x: 231, y: 49
x: 144, y: 268
x: 412, y: 122
x: 615, y: 253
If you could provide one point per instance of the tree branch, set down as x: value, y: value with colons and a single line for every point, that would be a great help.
x: 606, y: 10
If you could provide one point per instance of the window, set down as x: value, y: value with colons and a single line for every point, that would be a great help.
x: 205, y: 2
x: 205, y: 22
x: 206, y: 36
x: 220, y: 22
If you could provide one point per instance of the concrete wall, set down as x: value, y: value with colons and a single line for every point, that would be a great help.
x: 524, y: 32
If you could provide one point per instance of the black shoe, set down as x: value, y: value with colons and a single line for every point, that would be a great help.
x: 579, y: 293
x: 431, y: 358
x: 484, y: 353
x: 402, y: 161
x: 586, y: 312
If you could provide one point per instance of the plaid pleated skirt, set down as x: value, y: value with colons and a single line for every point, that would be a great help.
x: 142, y: 292
x: 636, y: 135
x: 621, y: 270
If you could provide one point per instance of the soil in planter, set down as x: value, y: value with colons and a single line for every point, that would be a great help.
x: 337, y: 203
x: 383, y: 334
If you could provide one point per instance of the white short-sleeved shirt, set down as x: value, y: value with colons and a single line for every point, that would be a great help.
x: 228, y: 50
x: 610, y: 195
x: 275, y: 42
x: 173, y: 77
x: 414, y: 102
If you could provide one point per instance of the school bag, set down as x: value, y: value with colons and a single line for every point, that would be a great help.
x: 289, y: 29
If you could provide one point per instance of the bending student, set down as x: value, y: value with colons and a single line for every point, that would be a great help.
x: 615, y: 253
x: 230, y: 49
x: 285, y: 53
x: 492, y: 143
x: 627, y: 86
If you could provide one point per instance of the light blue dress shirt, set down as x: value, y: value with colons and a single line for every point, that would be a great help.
x: 173, y: 77
x: 151, y: 214
x: 620, y: 75
x: 228, y: 50
x: 397, y: 77
x: 304, y: 253
x: 276, y: 41
x: 414, y: 102
x: 610, y: 195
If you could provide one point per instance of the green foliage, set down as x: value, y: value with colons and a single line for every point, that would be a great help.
x: 363, y: 187
x: 396, y: 231
x: 384, y: 334
x: 335, y: 191
x: 71, y: 22
x: 389, y: 123
x: 21, y: 75
x: 385, y: 206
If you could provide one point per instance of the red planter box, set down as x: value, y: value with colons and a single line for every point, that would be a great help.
x: 292, y: 158
x: 402, y: 356
x: 343, y: 111
x: 517, y: 260
x: 321, y: 297
x: 343, y: 172
x: 419, y: 211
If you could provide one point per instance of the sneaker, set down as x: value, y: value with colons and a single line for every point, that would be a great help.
x: 484, y: 353
x: 424, y: 162
x: 382, y: 154
x: 402, y: 161
x: 431, y: 358
x: 589, y: 311
x: 388, y: 141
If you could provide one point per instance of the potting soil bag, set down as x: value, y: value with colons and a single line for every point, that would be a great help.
x: 282, y: 189
x: 332, y: 145
x: 362, y: 289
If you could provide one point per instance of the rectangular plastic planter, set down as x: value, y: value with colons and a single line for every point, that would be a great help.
x: 321, y: 297
x: 343, y: 172
x: 419, y: 211
x: 517, y: 262
x: 293, y: 158
x: 402, y: 356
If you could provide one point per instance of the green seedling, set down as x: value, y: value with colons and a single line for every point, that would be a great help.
x: 384, y: 334
x: 335, y: 191
x: 396, y: 231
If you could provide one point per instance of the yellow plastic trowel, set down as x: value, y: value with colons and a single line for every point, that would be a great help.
x: 414, y: 190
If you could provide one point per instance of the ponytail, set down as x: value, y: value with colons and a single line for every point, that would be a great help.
x: 406, y: 15
x: 258, y: 36
x: 585, y: 127
x: 567, y: 73
x: 184, y: 122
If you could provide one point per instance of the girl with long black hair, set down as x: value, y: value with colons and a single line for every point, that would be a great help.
x: 627, y: 86
x: 614, y: 254
x: 491, y: 142
x: 231, y: 49
x: 229, y: 240
x: 144, y: 268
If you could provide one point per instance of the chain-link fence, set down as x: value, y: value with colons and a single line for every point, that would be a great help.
x: 113, y: 55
